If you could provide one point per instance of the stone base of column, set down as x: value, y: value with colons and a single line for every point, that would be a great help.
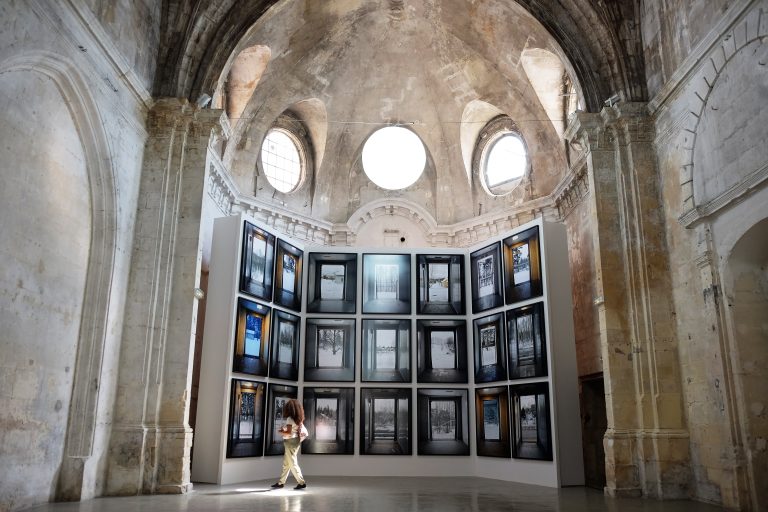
x: 647, y: 463
x: 149, y: 460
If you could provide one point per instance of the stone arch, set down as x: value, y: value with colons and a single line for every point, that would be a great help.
x: 420, y: 219
x: 749, y: 30
x: 745, y: 282
x: 81, y: 422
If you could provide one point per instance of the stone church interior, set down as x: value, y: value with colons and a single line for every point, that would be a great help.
x: 379, y: 164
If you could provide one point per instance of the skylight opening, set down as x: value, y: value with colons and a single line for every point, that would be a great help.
x: 394, y: 157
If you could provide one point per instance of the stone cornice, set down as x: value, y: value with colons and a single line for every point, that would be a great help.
x: 733, y: 194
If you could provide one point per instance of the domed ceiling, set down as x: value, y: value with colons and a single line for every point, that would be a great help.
x: 340, y: 69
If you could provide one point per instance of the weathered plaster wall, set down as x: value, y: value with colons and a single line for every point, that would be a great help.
x: 581, y: 255
x: 134, y: 27
x: 712, y: 156
x: 72, y: 126
x: 44, y: 248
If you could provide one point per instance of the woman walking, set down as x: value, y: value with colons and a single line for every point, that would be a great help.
x: 293, y: 432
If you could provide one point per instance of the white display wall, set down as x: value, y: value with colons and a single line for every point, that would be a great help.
x: 210, y: 461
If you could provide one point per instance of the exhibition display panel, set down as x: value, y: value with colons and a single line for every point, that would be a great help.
x: 387, y: 351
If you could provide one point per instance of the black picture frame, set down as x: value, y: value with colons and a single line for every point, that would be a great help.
x: 245, y: 434
x: 385, y: 421
x: 442, y: 421
x: 332, y: 283
x: 286, y: 341
x: 251, y: 354
x: 386, y: 350
x: 442, y: 351
x: 387, y: 284
x: 329, y: 354
x: 277, y: 395
x: 486, y: 278
x: 492, y: 422
x: 531, y: 425
x: 257, y: 262
x: 330, y: 418
x: 526, y: 342
x: 440, y: 284
x: 490, y: 348
x: 289, y: 266
x: 522, y: 266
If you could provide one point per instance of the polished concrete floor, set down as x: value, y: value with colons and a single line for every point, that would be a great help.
x: 358, y: 494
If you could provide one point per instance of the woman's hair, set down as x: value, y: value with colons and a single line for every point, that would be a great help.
x: 294, y: 409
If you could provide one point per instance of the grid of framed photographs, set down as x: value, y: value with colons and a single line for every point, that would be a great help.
x: 312, y: 351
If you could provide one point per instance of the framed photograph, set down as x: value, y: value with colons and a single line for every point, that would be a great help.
x: 532, y: 435
x: 251, y: 335
x: 485, y: 272
x: 492, y: 422
x: 246, y: 419
x: 385, y: 422
x: 522, y: 266
x: 257, y: 262
x: 490, y: 348
x: 288, y: 269
x: 284, y: 359
x: 330, y: 350
x: 387, y: 283
x: 442, y: 419
x: 332, y: 283
x: 277, y: 395
x: 386, y: 351
x: 330, y: 418
x: 441, y: 284
x: 526, y: 342
x: 442, y: 351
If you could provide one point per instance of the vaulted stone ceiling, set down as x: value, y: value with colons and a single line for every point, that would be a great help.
x: 442, y: 67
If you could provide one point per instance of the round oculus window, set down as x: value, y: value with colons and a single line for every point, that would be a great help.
x: 281, y: 160
x: 394, y: 157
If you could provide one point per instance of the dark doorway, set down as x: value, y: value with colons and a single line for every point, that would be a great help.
x: 593, y: 425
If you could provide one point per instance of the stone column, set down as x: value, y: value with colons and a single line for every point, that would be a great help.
x: 646, y: 444
x: 151, y: 439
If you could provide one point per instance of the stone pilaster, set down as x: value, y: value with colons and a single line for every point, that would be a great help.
x: 646, y: 444
x: 151, y: 438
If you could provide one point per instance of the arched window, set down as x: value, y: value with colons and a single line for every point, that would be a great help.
x: 501, y: 157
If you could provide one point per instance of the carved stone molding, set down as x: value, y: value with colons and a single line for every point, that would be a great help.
x: 745, y: 25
